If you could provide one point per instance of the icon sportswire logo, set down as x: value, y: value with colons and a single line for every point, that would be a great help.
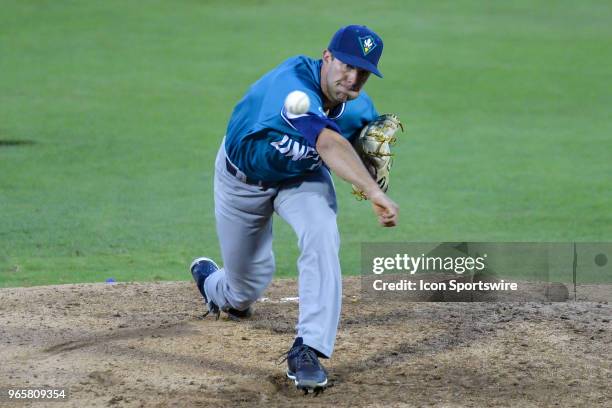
x: 367, y: 44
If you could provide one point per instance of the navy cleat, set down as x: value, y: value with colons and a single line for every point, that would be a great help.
x: 304, y: 368
x: 201, y: 269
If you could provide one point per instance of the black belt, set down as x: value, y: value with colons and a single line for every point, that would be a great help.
x: 234, y: 171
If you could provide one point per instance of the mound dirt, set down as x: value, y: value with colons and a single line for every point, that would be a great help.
x: 147, y: 345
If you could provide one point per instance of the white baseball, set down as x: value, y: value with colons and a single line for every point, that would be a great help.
x: 297, y: 103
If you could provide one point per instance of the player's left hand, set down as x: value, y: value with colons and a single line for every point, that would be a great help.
x: 373, y: 145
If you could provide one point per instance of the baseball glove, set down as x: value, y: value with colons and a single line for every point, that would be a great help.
x: 374, y: 148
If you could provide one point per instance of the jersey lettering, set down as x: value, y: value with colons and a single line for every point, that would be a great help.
x: 294, y: 150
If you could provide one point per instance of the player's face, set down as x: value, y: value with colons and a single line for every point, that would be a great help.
x: 341, y: 82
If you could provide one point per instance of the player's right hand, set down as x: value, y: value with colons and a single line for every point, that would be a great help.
x: 385, y: 209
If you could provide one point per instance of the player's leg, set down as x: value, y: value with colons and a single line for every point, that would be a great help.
x: 244, y: 227
x: 310, y: 208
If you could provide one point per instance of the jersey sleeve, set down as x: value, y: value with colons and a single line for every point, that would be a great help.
x: 310, y: 124
x: 358, y: 114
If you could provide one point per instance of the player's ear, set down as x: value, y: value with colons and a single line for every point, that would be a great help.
x: 327, y: 55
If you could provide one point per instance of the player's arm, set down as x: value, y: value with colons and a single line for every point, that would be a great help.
x: 339, y: 155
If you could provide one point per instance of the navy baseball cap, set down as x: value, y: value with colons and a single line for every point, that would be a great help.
x: 359, y: 46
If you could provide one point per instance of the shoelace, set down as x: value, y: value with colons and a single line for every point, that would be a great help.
x: 304, y: 355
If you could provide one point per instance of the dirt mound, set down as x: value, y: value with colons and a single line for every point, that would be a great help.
x: 148, y: 345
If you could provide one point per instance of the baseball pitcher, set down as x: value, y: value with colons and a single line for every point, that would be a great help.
x: 276, y: 158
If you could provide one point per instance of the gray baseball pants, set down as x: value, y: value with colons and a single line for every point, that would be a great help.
x: 244, y: 226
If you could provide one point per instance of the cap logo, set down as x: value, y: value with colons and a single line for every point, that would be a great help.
x: 367, y: 44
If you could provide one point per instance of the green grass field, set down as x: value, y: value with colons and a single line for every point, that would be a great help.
x: 122, y: 106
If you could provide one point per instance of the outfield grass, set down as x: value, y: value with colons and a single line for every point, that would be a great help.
x: 506, y: 108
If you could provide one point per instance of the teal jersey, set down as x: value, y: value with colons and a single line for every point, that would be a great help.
x: 269, y: 144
